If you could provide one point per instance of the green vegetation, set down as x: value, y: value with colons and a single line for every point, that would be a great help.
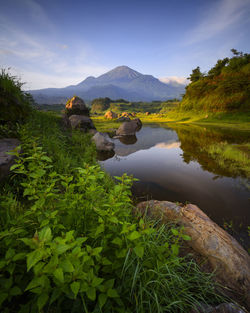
x: 100, y: 105
x: 225, y: 87
x: 15, y: 104
x: 69, y: 241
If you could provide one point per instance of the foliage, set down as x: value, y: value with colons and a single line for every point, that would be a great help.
x: 100, y: 104
x: 226, y: 86
x: 15, y: 104
x: 69, y: 243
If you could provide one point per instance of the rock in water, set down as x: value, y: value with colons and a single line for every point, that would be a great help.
x: 110, y: 115
x: 83, y: 123
x: 76, y: 106
x: 102, y: 143
x: 224, y: 254
x: 6, y: 160
x: 129, y: 128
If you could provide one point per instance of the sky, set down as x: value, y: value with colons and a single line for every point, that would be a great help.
x: 56, y: 43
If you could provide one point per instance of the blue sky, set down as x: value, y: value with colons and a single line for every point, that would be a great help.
x: 55, y: 43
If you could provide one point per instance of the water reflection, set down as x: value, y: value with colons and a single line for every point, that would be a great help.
x: 174, y: 164
x: 128, y: 140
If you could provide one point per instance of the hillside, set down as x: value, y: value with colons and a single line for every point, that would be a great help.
x: 121, y: 82
x: 225, y: 87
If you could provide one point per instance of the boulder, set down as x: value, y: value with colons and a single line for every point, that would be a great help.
x: 129, y: 128
x: 6, y: 160
x: 123, y: 119
x: 221, y: 308
x: 66, y: 121
x: 224, y: 254
x: 84, y: 123
x: 102, y: 143
x: 110, y: 115
x: 76, y: 106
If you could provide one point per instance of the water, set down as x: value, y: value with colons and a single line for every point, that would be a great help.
x: 173, y: 164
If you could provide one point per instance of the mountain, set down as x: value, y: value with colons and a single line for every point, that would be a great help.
x: 121, y: 82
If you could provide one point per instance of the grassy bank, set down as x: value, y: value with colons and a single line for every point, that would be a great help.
x: 70, y: 243
x: 239, y: 120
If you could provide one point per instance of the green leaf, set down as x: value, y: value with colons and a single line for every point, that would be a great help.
x: 112, y: 293
x: 175, y: 249
x: 45, y: 234
x: 33, y: 258
x: 139, y: 251
x: 3, y: 296
x: 109, y: 283
x: 42, y: 300
x: 36, y: 282
x: 91, y: 293
x: 175, y: 231
x: 75, y: 286
x: 58, y: 273
x: 55, y: 295
x: 96, y: 281
x: 186, y: 237
x: 134, y: 235
x: 19, y: 256
x: 15, y: 291
x: 67, y: 266
x: 102, y: 298
x: 117, y: 241
x: 61, y: 248
x: 9, y: 254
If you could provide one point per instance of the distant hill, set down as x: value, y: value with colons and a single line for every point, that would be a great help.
x: 121, y: 82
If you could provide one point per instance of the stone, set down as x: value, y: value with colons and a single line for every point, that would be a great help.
x: 81, y: 122
x: 224, y: 254
x: 76, y: 106
x: 221, y: 308
x: 102, y: 143
x: 6, y: 160
x: 110, y: 115
x: 129, y: 128
x: 123, y: 119
x: 66, y: 121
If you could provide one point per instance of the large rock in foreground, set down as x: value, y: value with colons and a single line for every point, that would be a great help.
x: 129, y: 128
x: 6, y: 160
x: 76, y: 106
x: 83, y: 123
x: 224, y: 254
x: 102, y: 143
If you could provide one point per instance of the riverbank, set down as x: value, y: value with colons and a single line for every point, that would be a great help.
x: 239, y: 120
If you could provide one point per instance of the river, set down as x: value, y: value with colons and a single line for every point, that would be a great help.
x: 173, y: 163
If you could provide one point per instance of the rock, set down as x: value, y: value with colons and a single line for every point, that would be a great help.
x: 110, y: 115
x: 92, y: 131
x: 123, y: 119
x: 102, y: 143
x: 76, y: 106
x: 129, y: 128
x: 224, y: 254
x: 84, y: 123
x: 126, y: 114
x: 66, y: 121
x: 221, y: 308
x: 128, y: 140
x: 6, y: 160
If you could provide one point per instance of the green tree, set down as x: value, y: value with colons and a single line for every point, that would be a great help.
x: 196, y: 74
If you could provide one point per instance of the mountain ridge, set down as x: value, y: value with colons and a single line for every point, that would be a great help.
x: 120, y: 82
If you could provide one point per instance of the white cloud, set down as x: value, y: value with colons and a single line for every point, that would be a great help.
x: 220, y: 17
x: 174, y: 80
x: 167, y: 145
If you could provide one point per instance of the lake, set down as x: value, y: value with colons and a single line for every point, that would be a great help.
x: 173, y: 163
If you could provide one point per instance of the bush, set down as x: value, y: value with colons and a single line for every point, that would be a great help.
x: 15, y: 105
